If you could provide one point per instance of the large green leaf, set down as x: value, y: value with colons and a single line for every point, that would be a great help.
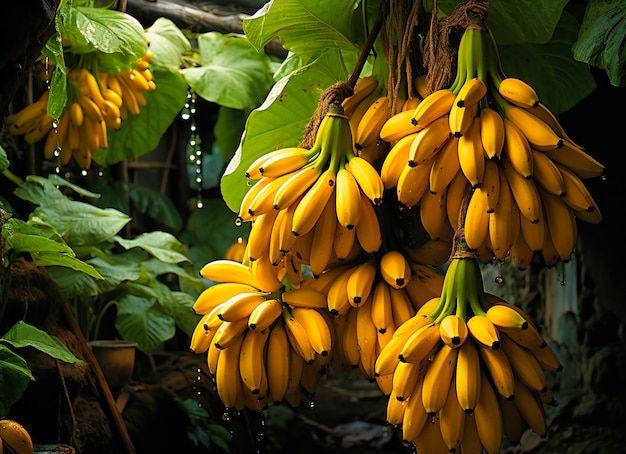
x: 141, y: 134
x: 305, y: 27
x: 281, y: 120
x: 162, y: 245
x: 155, y: 205
x: 601, y: 39
x: 228, y: 129
x: 167, y: 43
x: 231, y: 72
x: 14, y: 378
x: 560, y: 81
x: 24, y: 335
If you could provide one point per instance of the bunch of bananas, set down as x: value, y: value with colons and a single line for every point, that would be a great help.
x: 95, y: 103
x: 14, y: 438
x: 467, y: 369
x: 487, y: 141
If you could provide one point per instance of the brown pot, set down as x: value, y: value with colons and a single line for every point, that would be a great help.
x: 116, y: 359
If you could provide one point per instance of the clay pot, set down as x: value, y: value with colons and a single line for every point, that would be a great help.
x: 116, y: 359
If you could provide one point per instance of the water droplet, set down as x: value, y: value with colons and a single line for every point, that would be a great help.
x: 84, y: 172
x: 185, y: 116
x: 199, y: 204
x: 563, y: 282
x: 311, y: 404
x: 57, y: 151
x: 100, y: 173
x: 55, y: 124
x: 604, y: 177
x: 226, y: 416
x: 499, y: 279
x: 238, y: 221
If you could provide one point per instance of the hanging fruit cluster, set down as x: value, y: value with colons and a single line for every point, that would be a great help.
x: 329, y: 275
x: 97, y: 101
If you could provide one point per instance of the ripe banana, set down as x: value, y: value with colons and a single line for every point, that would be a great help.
x: 414, y: 417
x: 382, y: 307
x: 577, y: 195
x: 260, y: 237
x: 539, y: 134
x: 361, y: 282
x: 310, y: 207
x: 412, y: 184
x: 433, y: 106
x: 222, y: 270
x: 323, y: 237
x: 363, y: 87
x: 471, y: 154
x: 317, y: 327
x: 367, y: 339
x: 298, y: 336
x: 525, y: 365
x: 295, y: 186
x: 368, y: 231
x: 576, y: 159
x: 434, y: 215
x: 517, y: 149
x: 398, y: 126
x: 240, y: 306
x: 367, y: 177
x: 492, y: 133
x: 371, y: 123
x: 429, y: 141
x: 437, y: 379
x: 476, y: 221
x: 347, y: 199
x: 461, y: 119
x: 546, y: 174
x: 531, y: 408
x: 488, y: 417
x: 252, y: 362
x: 453, y: 330
x: 228, y: 333
x: 452, y: 420
x: 15, y: 438
x: 218, y: 293
x: 265, y: 314
x: 483, y: 331
x: 395, y: 269
x: 500, y: 370
x: 277, y: 363
x: 561, y: 224
x: 420, y: 344
x: 395, y: 161
x: 518, y: 92
x: 468, y: 376
x: 525, y: 192
x: 227, y: 377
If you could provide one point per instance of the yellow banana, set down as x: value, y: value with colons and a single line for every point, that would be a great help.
x: 525, y: 192
x: 433, y: 106
x: 282, y: 239
x: 298, y: 336
x: 483, y: 331
x: 22, y: 120
x: 531, y: 408
x: 539, y: 134
x: 305, y: 297
x: 452, y: 420
x: 363, y: 87
x: 228, y: 332
x: 414, y: 418
x: 113, y: 96
x: 488, y: 417
x: 277, y: 162
x: 323, y: 236
x: 468, y: 376
x: 492, y: 133
x: 361, y: 282
x: 405, y: 378
x: 227, y: 378
x: 429, y: 439
x: 517, y: 149
x: 490, y: 186
x: 521, y: 253
x: 395, y: 411
x: 264, y: 198
x: 200, y: 338
x: 337, y: 296
x: 533, y: 233
x: 240, y: 306
x: 456, y: 192
x: 412, y: 184
x: 265, y: 274
x: 252, y: 366
x: 547, y: 358
x: 437, y: 379
x: 445, y: 166
x: 261, y: 230
x: 506, y: 316
x: 347, y: 199
x: 222, y: 270
x: 525, y: 366
x: 561, y: 224
x: 518, y: 92
x: 76, y: 113
x: 395, y: 161
x: 471, y: 92
x: 471, y: 440
x: 293, y: 395
x: 429, y: 141
x: 513, y: 423
x: 471, y: 154
x: 368, y: 231
x: 546, y: 174
x: 367, y: 338
x: 420, y: 344
x: 403, y: 305
x: 317, y: 327
x: 398, y: 126
x: 577, y: 195
x: 15, y: 438
x: 371, y: 123
x: 349, y: 341
x: 499, y: 368
x: 395, y: 269
x: 433, y: 214
x: 453, y: 331
x: 382, y: 306
x: 310, y: 207
x: 476, y: 221
x: 295, y: 186
x: 277, y: 363
x: 461, y: 119
x: 344, y: 241
x: 264, y: 314
x: 367, y: 177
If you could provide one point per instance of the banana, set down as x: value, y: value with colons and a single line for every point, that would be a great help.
x: 438, y: 378
x: 434, y: 215
x: 429, y: 277
x: 445, y: 166
x: 349, y: 341
x: 592, y: 217
x: 576, y: 159
x: 431, y: 252
x: 547, y: 174
x: 395, y: 269
x: 531, y: 408
x: 529, y: 338
x: 113, y: 96
x: 252, y: 365
x: 237, y: 250
x: 500, y: 223
x: 367, y: 338
x: 429, y: 141
x: 456, y: 192
x: 229, y: 332
x: 547, y: 358
x: 337, y: 296
x: 347, y: 199
x: 471, y: 92
x: 39, y: 130
x: 371, y: 123
x: 412, y: 184
x: 525, y: 192
x: 402, y: 306
x: 310, y: 207
x: 361, y: 282
x: 468, y: 376
x: 539, y: 134
x: 222, y: 270
x: 395, y: 411
x: 490, y: 186
x: 488, y: 417
x: 517, y: 149
x: 240, y: 306
x: 561, y: 224
x: 276, y: 161
x: 395, y: 161
x: 295, y: 186
x: 461, y: 119
x: 518, y: 92
x: 212, y: 357
x: 483, y: 331
x: 261, y: 231
x: 265, y: 274
x: 227, y: 378
x: 429, y: 439
x: 368, y: 231
x: 433, y: 106
x: 245, y: 214
x: 492, y: 133
x: 471, y: 440
x: 405, y: 378
x: 282, y: 239
x: 453, y: 331
x: 420, y: 344
x: 265, y: 314
x: 323, y: 237
x: 305, y: 297
x: 525, y: 366
x: 356, y: 115
x: 452, y: 420
x: 382, y: 307
x: 344, y: 241
x: 499, y: 368
x: 22, y: 120
x: 533, y: 233
x: 296, y: 367
x: 506, y: 316
x: 577, y: 195
x: 476, y: 226
x: 514, y: 425
x: 15, y: 438
x: 363, y: 87
x: 317, y: 327
x: 367, y: 177
x: 543, y: 112
x: 298, y: 336
x: 471, y: 154
x: 398, y: 126
x: 264, y: 199
x: 415, y: 418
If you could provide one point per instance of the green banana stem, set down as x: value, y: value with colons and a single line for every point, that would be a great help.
x: 494, y: 67
x: 482, y: 56
x: 461, y: 70
x: 447, y: 293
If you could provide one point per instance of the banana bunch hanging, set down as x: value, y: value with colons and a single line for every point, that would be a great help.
x: 96, y: 103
